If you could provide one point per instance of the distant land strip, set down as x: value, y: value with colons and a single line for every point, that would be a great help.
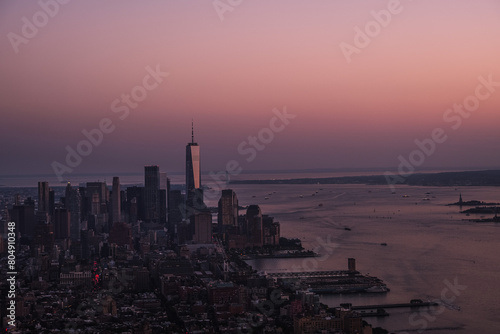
x: 444, y: 179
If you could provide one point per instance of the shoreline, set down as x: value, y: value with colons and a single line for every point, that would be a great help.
x: 443, y: 179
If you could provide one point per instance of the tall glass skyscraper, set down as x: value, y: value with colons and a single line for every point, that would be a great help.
x: 227, y: 210
x: 43, y: 197
x: 193, y: 177
x: 116, y: 200
x: 73, y: 204
x: 194, y: 193
x: 151, y: 193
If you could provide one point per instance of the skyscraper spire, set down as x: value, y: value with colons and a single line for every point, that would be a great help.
x: 194, y: 191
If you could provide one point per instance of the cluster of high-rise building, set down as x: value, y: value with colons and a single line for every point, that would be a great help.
x: 121, y: 213
x: 252, y: 229
x: 150, y: 259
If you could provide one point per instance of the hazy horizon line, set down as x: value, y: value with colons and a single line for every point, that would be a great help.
x: 278, y: 171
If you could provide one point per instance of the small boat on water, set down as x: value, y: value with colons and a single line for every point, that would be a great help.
x: 377, y: 289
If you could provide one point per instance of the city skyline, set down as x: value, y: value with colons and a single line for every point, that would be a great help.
x: 343, y: 167
x: 362, y: 99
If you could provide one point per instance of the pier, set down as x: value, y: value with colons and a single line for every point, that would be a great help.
x: 312, y: 274
x: 332, y: 281
x: 384, y: 306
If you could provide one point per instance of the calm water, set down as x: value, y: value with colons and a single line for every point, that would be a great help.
x: 427, y: 244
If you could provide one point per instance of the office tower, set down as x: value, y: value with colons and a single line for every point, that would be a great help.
x: 4, y: 221
x: 41, y: 217
x: 254, y: 230
x: 132, y: 210
x: 62, y: 220
x: 163, y: 180
x: 151, y: 193
x: 73, y: 204
x: 164, y: 189
x: 271, y: 231
x: 202, y: 222
x: 228, y: 210
x: 43, y: 197
x: 99, y: 203
x: 100, y: 188
x: 168, y: 201
x: 95, y: 204
x: 194, y: 193
x: 116, y: 200
x: 52, y: 202
x: 24, y: 216
x: 162, y: 193
x: 175, y: 205
x: 135, y: 203
x: 44, y: 236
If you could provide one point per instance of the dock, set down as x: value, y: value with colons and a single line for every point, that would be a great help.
x: 312, y: 274
x: 384, y: 306
x: 332, y: 281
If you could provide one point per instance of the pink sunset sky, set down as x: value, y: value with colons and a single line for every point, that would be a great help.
x: 229, y: 74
